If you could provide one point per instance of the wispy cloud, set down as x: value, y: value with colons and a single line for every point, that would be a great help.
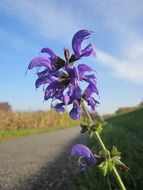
x: 44, y: 17
x: 53, y: 20
x: 130, y: 67
x: 122, y: 18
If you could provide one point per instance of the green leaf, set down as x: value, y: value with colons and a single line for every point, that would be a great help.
x: 115, y: 152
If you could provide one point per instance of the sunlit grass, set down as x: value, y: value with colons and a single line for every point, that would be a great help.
x: 125, y: 132
x: 4, y: 135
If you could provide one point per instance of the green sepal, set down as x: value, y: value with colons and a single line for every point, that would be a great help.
x: 97, y: 126
x: 105, y: 154
x: 107, y: 166
x: 110, y: 160
x: 111, y: 164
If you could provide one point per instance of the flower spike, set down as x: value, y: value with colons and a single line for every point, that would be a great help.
x: 61, y: 80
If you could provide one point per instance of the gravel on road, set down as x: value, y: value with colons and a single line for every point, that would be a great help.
x: 39, y: 162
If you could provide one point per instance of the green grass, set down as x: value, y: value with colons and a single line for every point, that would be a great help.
x: 5, y: 135
x: 126, y: 133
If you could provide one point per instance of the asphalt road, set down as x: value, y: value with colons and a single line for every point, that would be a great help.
x: 39, y: 162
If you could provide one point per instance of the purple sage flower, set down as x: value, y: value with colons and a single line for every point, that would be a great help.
x: 61, y: 80
x: 73, y: 94
x: 70, y: 91
x: 86, y: 157
x: 51, y: 64
x: 77, y: 40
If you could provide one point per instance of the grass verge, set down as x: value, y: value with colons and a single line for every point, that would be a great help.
x: 11, y: 134
x: 125, y: 132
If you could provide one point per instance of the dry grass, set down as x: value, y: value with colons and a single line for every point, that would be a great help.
x: 31, y: 120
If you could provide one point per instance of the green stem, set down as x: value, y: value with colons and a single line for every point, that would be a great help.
x: 115, y: 172
x: 100, y: 140
x: 119, y: 180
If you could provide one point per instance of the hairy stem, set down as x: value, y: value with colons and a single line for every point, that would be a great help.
x: 115, y: 172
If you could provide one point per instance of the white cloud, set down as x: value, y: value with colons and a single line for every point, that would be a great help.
x: 130, y: 67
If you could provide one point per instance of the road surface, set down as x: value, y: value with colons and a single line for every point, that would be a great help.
x: 39, y: 162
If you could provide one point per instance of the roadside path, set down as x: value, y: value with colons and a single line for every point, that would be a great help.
x: 39, y: 162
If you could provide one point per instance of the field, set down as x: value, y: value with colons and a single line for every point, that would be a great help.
x: 126, y: 133
x: 16, y: 124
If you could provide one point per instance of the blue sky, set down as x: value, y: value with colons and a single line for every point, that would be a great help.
x: 26, y: 26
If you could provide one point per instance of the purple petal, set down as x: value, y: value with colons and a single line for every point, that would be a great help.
x: 40, y: 61
x: 59, y: 107
x: 59, y: 94
x: 43, y: 80
x: 83, y: 68
x: 84, y: 151
x: 88, y: 50
x: 92, y: 102
x: 56, y: 73
x: 78, y: 39
x: 75, y: 113
x: 94, y: 88
x: 77, y: 92
x: 49, y: 51
x: 73, y: 74
x: 54, y: 89
x: 43, y: 73
x: 76, y: 74
x: 90, y: 79
x: 49, y: 73
x: 74, y: 92
x: 91, y: 88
